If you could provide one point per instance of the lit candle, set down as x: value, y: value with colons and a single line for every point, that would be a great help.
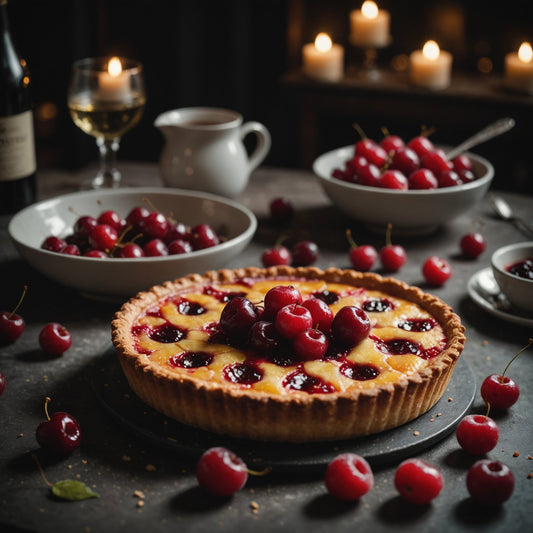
x: 519, y: 69
x: 114, y: 84
x: 431, y: 67
x: 323, y: 60
x: 370, y: 26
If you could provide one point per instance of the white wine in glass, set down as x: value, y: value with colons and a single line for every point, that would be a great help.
x: 106, y: 98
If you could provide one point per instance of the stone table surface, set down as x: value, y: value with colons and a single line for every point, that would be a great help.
x: 116, y: 462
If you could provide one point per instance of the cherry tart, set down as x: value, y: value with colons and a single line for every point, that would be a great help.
x: 181, y: 356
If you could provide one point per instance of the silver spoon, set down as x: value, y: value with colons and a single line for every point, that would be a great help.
x: 504, y: 211
x: 492, y: 130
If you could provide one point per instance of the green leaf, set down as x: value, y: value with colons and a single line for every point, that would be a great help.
x: 72, y: 490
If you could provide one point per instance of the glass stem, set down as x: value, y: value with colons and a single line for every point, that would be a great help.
x: 108, y: 176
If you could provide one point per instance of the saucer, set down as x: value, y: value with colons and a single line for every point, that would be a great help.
x: 484, y: 290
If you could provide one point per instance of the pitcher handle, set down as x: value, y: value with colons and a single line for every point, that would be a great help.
x: 263, y: 142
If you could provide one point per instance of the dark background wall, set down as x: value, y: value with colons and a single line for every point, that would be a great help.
x: 228, y: 53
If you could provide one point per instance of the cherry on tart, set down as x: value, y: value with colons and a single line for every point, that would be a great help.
x: 221, y: 472
x: 490, y: 482
x: 477, y: 434
x: 349, y: 477
x: 12, y: 325
x: 59, y: 434
x: 436, y: 271
x: 500, y: 391
x: 418, y: 481
x: 270, y: 375
x: 55, y: 339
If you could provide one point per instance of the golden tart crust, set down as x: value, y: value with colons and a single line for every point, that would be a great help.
x: 205, y: 400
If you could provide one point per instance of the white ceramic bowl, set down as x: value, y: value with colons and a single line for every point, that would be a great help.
x: 108, y: 278
x: 518, y: 290
x: 409, y: 212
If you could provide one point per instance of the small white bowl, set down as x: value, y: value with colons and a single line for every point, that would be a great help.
x: 518, y: 290
x: 112, y: 278
x: 410, y: 212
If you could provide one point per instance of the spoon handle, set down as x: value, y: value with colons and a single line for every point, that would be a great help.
x: 492, y: 130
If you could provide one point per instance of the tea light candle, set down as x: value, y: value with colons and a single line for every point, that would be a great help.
x: 370, y: 26
x: 519, y: 69
x: 431, y: 67
x: 323, y: 60
x: 114, y: 84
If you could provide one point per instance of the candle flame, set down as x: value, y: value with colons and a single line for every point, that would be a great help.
x: 323, y: 42
x: 525, y: 52
x: 369, y: 9
x: 114, y: 67
x: 431, y: 50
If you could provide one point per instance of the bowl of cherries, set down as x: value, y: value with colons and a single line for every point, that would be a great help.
x: 114, y: 243
x: 512, y: 266
x: 409, y: 184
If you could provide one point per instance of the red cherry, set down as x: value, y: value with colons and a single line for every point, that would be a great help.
x: 55, y: 339
x: 362, y: 257
x: 136, y: 216
x: 477, y: 434
x: 490, y: 482
x: 423, y: 178
x: 99, y: 254
x: 436, y: 271
x: 391, y: 143
x: 154, y: 226
x: 466, y: 176
x: 103, y: 237
x: 203, y: 236
x: 436, y: 162
x: 238, y: 316
x: 11, y: 324
x: 71, y: 249
x: 263, y: 336
x: 84, y: 225
x: 405, y: 160
x: 462, y: 162
x: 113, y: 219
x: 53, y: 244
x: 392, y: 256
x: 155, y: 248
x: 310, y: 344
x: 130, y: 250
x: 179, y: 246
x: 59, y: 434
x: 221, y: 472
x: 278, y: 255
x: 2, y: 383
x: 418, y: 482
x: 293, y: 319
x: 280, y: 296
x: 304, y: 253
x: 177, y: 231
x: 350, y: 325
x: 499, y: 391
x: 349, y: 477
x: 394, y: 179
x: 354, y: 167
x: 281, y: 210
x: 421, y: 145
x: 320, y: 312
x: 371, y: 151
x: 448, y: 178
x: 473, y: 244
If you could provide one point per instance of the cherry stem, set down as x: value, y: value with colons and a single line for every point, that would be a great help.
x: 385, y: 131
x: 280, y: 240
x: 426, y: 132
x: 388, y: 241
x: 530, y: 343
x: 488, y: 409
x: 47, y: 400
x: 41, y: 470
x: 264, y: 472
x: 478, y: 225
x: 20, y: 301
x: 351, y: 242
x: 359, y: 130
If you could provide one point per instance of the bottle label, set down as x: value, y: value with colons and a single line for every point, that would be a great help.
x: 17, y: 146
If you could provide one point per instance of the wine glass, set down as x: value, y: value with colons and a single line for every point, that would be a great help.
x: 106, y: 98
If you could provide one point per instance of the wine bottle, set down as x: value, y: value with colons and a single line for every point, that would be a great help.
x: 17, y: 142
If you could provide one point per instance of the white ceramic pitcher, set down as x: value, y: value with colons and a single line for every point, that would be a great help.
x: 204, y: 149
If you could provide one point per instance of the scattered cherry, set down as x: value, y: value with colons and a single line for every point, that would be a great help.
x: 281, y: 210
x: 277, y: 255
x: 392, y: 256
x: 473, y: 244
x: 500, y: 391
x: 55, y: 339
x: 362, y: 257
x: 349, y: 477
x: 11, y: 324
x: 477, y: 434
x: 60, y: 433
x: 304, y: 253
x: 490, y: 482
x: 221, y: 472
x: 418, y: 482
x: 436, y: 271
